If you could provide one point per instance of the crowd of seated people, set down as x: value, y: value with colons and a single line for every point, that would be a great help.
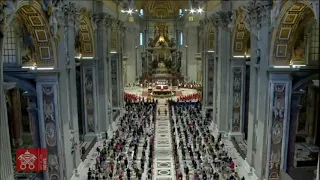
x: 128, y: 153
x: 190, y: 97
x: 198, y: 154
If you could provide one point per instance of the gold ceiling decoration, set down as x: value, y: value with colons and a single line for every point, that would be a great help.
x: 285, y: 46
x: 36, y: 25
x: 85, y: 45
x: 240, y: 37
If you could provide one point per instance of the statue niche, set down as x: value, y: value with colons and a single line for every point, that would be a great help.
x: 299, y: 49
x: 28, y: 49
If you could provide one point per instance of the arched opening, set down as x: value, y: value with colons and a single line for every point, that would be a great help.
x: 296, y: 40
x: 304, y: 138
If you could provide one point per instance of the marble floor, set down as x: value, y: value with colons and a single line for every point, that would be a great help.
x: 163, y: 162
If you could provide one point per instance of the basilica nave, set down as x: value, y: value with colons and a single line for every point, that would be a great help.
x: 161, y: 90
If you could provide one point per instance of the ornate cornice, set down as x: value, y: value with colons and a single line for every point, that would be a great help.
x: 69, y: 12
x: 255, y: 13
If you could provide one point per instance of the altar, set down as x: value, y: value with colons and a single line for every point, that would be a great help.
x: 161, y: 60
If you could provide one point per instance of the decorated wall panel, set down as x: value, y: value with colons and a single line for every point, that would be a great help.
x: 51, y: 124
x: 278, y: 123
x: 115, y: 80
x: 237, y: 99
x: 38, y: 49
x: 241, y: 43
x: 289, y: 44
x: 210, y: 77
x: 89, y: 99
x: 85, y: 37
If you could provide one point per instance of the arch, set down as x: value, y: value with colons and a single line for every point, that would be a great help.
x: 240, y: 44
x: 284, y: 35
x: 304, y: 81
x: 85, y: 42
x: 21, y: 84
x: 32, y: 17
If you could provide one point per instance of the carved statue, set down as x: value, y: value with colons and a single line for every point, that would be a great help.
x: 233, y: 19
x: 150, y: 42
x: 29, y: 49
x: 77, y: 45
x: 172, y: 42
x: 299, y: 48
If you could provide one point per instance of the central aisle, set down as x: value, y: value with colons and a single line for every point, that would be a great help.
x: 163, y: 163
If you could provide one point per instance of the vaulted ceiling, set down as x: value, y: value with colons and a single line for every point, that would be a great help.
x: 162, y: 8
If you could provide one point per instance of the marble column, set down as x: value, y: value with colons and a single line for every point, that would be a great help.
x: 279, y: 121
x: 66, y: 91
x: 101, y: 75
x: 34, y: 120
x: 131, y: 52
x: 237, y: 98
x: 73, y: 18
x: 252, y: 125
x: 49, y: 124
x: 263, y: 36
x: 6, y: 166
x: 204, y: 63
x: 16, y: 116
x: 221, y: 20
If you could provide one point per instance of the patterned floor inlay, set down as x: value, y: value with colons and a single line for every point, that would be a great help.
x: 162, y: 131
x: 162, y: 135
x: 164, y: 172
x: 163, y: 159
x: 163, y: 142
x: 163, y: 162
x: 164, y: 165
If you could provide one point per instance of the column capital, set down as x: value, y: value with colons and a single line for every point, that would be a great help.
x: 102, y: 20
x: 222, y: 18
x: 67, y: 13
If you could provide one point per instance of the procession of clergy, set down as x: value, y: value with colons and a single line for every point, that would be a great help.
x: 128, y: 154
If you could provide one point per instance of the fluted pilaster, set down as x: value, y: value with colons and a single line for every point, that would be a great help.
x: 6, y: 171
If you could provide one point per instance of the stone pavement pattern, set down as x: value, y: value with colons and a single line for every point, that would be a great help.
x: 163, y: 162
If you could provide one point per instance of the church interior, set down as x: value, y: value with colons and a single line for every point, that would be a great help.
x: 160, y: 89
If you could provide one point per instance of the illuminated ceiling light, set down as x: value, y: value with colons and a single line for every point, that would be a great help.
x: 130, y: 11
x: 87, y: 58
x: 210, y: 51
x: 238, y: 56
x: 200, y: 10
x: 45, y: 68
x: 192, y: 11
x: 281, y: 66
x: 123, y: 11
